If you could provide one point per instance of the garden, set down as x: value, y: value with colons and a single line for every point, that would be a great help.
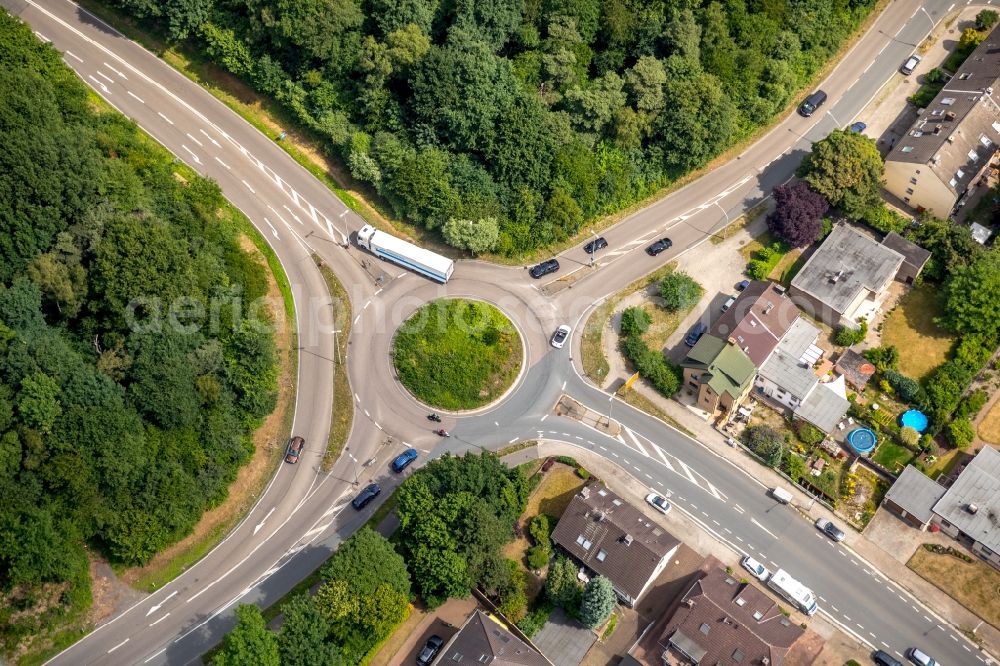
x: 457, y: 354
x: 910, y: 327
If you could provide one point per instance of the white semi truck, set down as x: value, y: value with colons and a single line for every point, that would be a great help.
x: 398, y: 251
x: 793, y: 591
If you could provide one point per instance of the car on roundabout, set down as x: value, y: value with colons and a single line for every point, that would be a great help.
x: 560, y: 336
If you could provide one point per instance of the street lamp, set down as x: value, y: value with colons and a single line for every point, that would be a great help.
x: 611, y: 404
x: 594, y: 234
x: 928, y: 17
x: 351, y: 456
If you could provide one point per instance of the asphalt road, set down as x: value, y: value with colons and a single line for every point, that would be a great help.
x: 300, y: 517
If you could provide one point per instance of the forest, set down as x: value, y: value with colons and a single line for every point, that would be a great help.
x: 521, y: 119
x: 130, y: 382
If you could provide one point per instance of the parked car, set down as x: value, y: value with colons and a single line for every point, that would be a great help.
x: 593, y: 246
x: 781, y: 495
x: 294, y: 450
x: 403, y: 460
x: 544, y: 268
x: 742, y: 284
x: 365, y: 496
x: 694, y: 335
x: 831, y: 530
x: 659, y: 246
x: 919, y: 657
x: 729, y: 303
x: 659, y: 503
x: 559, y: 337
x: 910, y: 64
x: 758, y: 570
x: 813, y: 102
x: 857, y: 127
x: 430, y: 650
x: 883, y: 658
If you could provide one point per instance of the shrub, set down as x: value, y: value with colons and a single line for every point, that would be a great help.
x: 766, y: 442
x: 567, y: 460
x: 907, y: 389
x: 533, y: 622
x: 758, y: 269
x: 909, y: 436
x: 935, y: 76
x: 808, y: 433
x: 679, y: 291
x: 986, y: 19
x: 635, y: 321
x: 961, y: 433
x: 847, y: 336
x: 538, y: 557
x: 561, y: 586
x: 884, y: 219
x: 582, y: 473
x: 652, y: 366
x: 540, y: 529
x: 883, y: 358
x: 974, y: 402
x: 795, y: 467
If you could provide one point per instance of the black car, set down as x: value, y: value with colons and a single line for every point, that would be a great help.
x: 593, y: 246
x: 430, y: 650
x: 694, y: 335
x: 366, y: 496
x: 883, y: 658
x: 544, y: 268
x: 403, y: 460
x: 659, y: 246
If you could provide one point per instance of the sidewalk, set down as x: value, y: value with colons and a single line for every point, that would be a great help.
x: 929, y: 595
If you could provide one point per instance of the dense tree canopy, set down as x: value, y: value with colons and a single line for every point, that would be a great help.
x: 123, y: 413
x: 538, y: 114
x: 798, y: 214
x: 847, y: 169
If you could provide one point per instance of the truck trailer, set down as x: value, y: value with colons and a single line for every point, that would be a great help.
x: 793, y: 591
x: 398, y: 251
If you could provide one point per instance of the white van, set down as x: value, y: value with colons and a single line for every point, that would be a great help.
x: 781, y: 495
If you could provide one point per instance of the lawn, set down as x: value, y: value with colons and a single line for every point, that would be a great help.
x: 922, y: 344
x: 457, y: 354
x: 662, y: 325
x: 989, y: 427
x: 892, y: 456
x: 973, y: 585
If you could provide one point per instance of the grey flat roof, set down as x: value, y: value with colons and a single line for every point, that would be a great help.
x: 979, y: 486
x: 915, y: 493
x: 788, y: 373
x: 912, y: 253
x: 824, y: 406
x: 847, y: 262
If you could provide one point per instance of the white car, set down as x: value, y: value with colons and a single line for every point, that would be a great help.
x: 921, y: 658
x: 658, y: 503
x: 910, y: 64
x: 758, y: 570
x: 560, y: 336
x: 729, y: 303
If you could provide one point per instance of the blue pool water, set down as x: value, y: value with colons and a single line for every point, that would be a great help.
x: 915, y: 419
x: 862, y: 440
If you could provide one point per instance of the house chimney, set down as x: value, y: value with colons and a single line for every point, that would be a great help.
x: 585, y: 492
x: 627, y: 539
x: 971, y: 508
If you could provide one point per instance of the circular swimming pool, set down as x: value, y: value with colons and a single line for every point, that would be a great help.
x: 862, y: 440
x: 915, y: 419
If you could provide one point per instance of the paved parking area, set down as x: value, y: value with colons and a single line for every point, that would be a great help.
x: 563, y: 640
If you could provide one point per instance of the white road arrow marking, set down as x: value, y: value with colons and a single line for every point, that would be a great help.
x: 195, y: 157
x: 156, y: 622
x: 260, y: 525
x: 101, y: 85
x: 160, y: 605
x: 214, y: 142
x: 116, y: 71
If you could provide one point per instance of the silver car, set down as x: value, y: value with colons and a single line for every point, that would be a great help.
x: 559, y: 337
x: 831, y: 530
x: 658, y: 503
x: 758, y: 570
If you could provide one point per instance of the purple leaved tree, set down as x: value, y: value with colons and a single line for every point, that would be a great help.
x: 798, y: 214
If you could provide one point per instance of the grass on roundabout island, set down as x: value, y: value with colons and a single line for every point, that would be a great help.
x: 457, y: 354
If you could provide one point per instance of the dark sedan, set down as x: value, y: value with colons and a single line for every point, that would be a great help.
x: 365, y: 496
x: 593, y: 246
x: 659, y: 246
x: 430, y: 650
x: 544, y: 268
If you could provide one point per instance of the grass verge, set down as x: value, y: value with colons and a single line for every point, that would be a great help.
x: 737, y: 225
x: 989, y: 427
x: 922, y: 344
x: 595, y: 363
x: 974, y: 585
x: 343, y: 406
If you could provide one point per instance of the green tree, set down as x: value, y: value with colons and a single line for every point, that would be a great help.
x: 598, y: 601
x: 336, y: 602
x: 971, y: 308
x: 883, y: 358
x: 250, y: 643
x: 679, y: 291
x: 795, y: 467
x: 366, y: 561
x: 986, y: 19
x: 700, y: 123
x: 645, y: 83
x: 635, y: 321
x: 561, y: 585
x: 38, y: 402
x: 847, y: 169
x: 767, y: 443
x: 961, y: 433
x: 477, y: 236
x: 909, y: 436
x: 302, y: 637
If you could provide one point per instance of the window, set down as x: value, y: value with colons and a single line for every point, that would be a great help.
x: 616, y: 502
x: 953, y: 182
x: 909, y: 190
x: 948, y: 101
x: 973, y: 156
x: 704, y: 628
x: 907, y: 149
x: 913, y: 181
x: 937, y: 112
x: 693, y: 384
x: 740, y: 601
x: 602, y: 492
x: 906, y: 199
x: 985, y: 140
x: 916, y: 133
x: 601, y: 554
x: 584, y: 541
x: 740, y: 338
x: 996, y: 127
x: 959, y: 174
x: 737, y: 655
x: 964, y: 76
x: 757, y: 615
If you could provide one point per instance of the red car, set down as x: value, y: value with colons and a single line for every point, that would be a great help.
x: 295, y: 446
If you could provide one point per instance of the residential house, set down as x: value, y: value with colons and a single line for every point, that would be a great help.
x: 758, y: 319
x: 968, y: 510
x: 787, y: 376
x: 485, y: 640
x: 914, y: 256
x: 913, y: 496
x: 855, y: 368
x: 846, y: 278
x: 720, y: 372
x: 825, y: 405
x: 944, y: 153
x: 723, y: 622
x: 612, y: 538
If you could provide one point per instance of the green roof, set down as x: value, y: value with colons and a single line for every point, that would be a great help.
x: 727, y: 368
